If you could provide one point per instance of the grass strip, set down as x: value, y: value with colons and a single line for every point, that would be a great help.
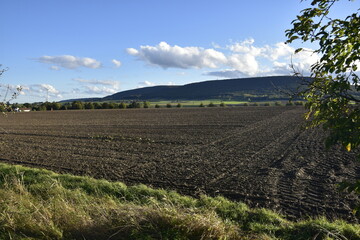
x: 40, y: 204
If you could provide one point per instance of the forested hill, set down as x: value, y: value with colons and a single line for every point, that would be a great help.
x: 259, y: 88
x: 256, y: 89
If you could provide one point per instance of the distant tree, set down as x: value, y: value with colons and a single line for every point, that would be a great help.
x: 134, y: 104
x: 168, y: 105
x: 222, y: 104
x: 122, y: 105
x: 211, y: 104
x: 97, y: 105
x: 146, y: 104
x: 64, y: 107
x: 15, y: 105
x: 112, y: 105
x: 105, y: 105
x: 46, y: 106
x: 201, y: 105
x: 178, y: 105
x: 157, y: 106
x: 27, y: 105
x: 55, y: 106
x: 77, y: 105
x: 89, y: 105
x: 42, y: 107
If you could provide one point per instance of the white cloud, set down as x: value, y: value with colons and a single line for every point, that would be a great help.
x: 239, y: 59
x: 96, y: 87
x: 167, y: 56
x: 132, y: 51
x: 279, y: 50
x: 41, y: 91
x: 69, y: 62
x: 56, y: 68
x: 246, y: 47
x: 117, y: 63
x: 245, y: 63
x: 246, y: 59
x: 113, y: 84
x: 145, y: 84
x: 99, y: 90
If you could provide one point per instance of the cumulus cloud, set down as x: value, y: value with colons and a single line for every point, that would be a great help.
x: 69, y: 62
x: 167, y: 56
x: 117, y: 63
x: 239, y: 59
x: 279, y: 50
x: 245, y: 59
x: 246, y: 63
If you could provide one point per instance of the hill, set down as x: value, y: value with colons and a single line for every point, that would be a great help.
x: 241, y: 89
x: 259, y: 88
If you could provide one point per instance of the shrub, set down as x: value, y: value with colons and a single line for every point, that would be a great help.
x: 89, y: 105
x: 42, y: 108
x: 55, y: 106
x: 211, y: 104
x: 134, y: 104
x: 168, y: 105
x: 222, y: 104
x: 157, y: 106
x: 112, y: 105
x: 97, y: 105
x: 77, y: 105
x: 146, y: 104
x: 201, y: 105
x: 178, y: 105
x: 122, y: 105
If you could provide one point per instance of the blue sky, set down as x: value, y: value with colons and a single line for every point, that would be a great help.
x: 76, y: 48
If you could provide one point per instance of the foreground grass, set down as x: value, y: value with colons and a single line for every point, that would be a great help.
x: 39, y: 204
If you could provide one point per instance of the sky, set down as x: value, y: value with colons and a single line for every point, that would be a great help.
x: 65, y: 49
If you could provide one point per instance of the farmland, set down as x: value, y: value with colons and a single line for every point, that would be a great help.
x: 258, y: 155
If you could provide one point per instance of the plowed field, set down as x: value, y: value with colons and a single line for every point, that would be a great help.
x: 259, y: 155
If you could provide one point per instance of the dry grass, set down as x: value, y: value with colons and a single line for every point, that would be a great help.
x: 39, y: 204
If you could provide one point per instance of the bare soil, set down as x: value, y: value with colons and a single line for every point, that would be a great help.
x: 258, y: 155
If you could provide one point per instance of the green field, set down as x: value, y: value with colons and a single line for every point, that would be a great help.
x: 214, y: 101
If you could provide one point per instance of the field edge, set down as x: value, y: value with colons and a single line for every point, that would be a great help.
x: 41, y: 204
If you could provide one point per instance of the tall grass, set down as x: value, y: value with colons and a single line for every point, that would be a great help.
x: 39, y: 204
